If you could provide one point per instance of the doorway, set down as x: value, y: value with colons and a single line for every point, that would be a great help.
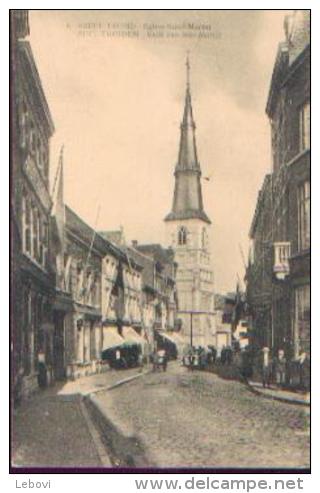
x: 58, y: 346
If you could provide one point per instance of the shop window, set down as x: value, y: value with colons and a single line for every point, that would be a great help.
x: 304, y: 216
x: 302, y: 319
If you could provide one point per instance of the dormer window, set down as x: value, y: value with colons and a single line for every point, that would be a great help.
x: 182, y: 236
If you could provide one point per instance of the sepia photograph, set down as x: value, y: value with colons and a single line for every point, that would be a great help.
x: 160, y: 241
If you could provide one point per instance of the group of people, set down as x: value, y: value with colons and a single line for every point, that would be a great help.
x: 274, y: 369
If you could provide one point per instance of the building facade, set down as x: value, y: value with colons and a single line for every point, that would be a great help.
x: 187, y: 232
x: 259, y: 275
x: 32, y: 276
x: 150, y: 299
x: 286, y: 234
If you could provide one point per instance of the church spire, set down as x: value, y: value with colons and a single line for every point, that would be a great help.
x: 187, y: 201
x: 188, y: 158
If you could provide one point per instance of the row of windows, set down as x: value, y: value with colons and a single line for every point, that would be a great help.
x: 183, y: 234
x: 88, y: 287
x: 34, y: 231
x: 303, y: 200
x: 279, y: 143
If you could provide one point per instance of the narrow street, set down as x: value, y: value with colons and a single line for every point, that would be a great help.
x: 184, y: 419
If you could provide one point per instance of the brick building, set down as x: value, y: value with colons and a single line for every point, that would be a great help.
x: 278, y: 276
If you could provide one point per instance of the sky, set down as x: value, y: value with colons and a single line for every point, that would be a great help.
x: 117, y: 103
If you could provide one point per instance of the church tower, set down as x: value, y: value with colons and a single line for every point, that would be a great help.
x: 188, y: 233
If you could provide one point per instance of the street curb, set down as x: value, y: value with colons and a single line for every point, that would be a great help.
x: 124, y: 449
x: 256, y: 391
x: 117, y: 384
x: 278, y: 398
x: 99, y: 445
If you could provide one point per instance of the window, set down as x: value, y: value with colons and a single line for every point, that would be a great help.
x: 35, y: 234
x: 182, y: 236
x: 204, y: 238
x: 304, y: 216
x: 304, y: 127
x: 44, y: 244
x: 32, y: 138
x: 302, y: 319
x: 26, y: 219
x: 23, y: 127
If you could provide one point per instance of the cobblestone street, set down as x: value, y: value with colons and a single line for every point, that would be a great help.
x: 197, y: 419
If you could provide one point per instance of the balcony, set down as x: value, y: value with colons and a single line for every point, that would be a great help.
x: 282, y: 252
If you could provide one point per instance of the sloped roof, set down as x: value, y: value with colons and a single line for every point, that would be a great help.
x: 78, y: 227
x: 146, y: 263
x: 113, y: 236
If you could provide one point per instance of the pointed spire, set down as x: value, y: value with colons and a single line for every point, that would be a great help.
x: 58, y: 209
x: 187, y: 200
x: 188, y: 159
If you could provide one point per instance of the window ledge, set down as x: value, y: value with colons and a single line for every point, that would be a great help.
x: 301, y: 253
x: 35, y: 262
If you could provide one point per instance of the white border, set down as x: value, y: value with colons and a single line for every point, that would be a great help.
x: 119, y: 482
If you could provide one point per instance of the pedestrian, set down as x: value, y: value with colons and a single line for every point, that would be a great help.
x: 246, y: 363
x: 228, y: 355
x: 280, y: 368
x: 140, y: 361
x: 266, y: 369
x: 304, y: 370
x: 165, y: 361
x: 223, y: 355
x: 154, y: 359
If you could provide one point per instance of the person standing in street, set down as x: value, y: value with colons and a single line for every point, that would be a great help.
x: 280, y: 368
x: 266, y: 368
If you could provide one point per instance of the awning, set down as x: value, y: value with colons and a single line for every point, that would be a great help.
x: 180, y: 342
x: 130, y: 335
x: 167, y: 336
x: 179, y: 339
x: 111, y: 338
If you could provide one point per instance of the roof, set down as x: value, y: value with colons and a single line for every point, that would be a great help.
x: 266, y: 187
x: 85, y: 232
x: 187, y: 214
x: 145, y: 262
x: 113, y: 236
x: 157, y: 252
x: 33, y: 81
x: 289, y: 54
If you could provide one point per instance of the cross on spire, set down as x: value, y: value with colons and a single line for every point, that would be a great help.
x: 188, y: 69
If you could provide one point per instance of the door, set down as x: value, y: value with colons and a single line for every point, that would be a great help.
x: 58, y: 346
